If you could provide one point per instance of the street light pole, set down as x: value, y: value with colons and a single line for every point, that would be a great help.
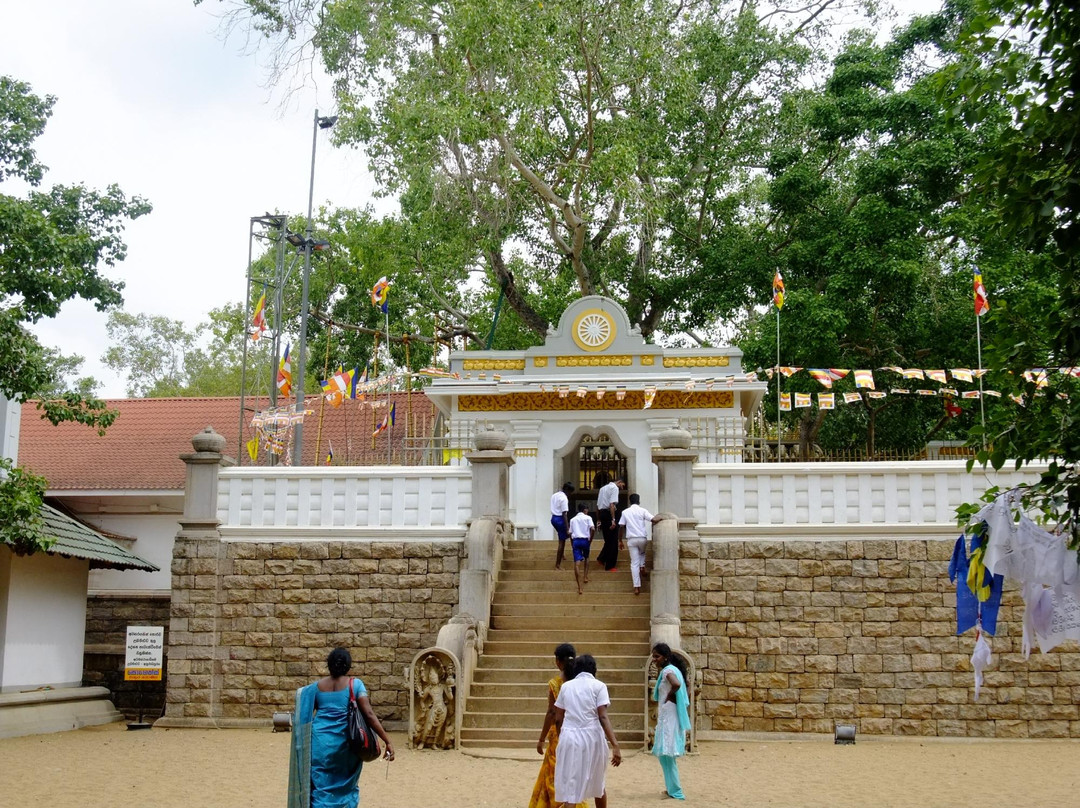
x: 298, y: 446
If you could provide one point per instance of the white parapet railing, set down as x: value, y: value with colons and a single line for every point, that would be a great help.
x: 283, y: 503
x: 840, y: 500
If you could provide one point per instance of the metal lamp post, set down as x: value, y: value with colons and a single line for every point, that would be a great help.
x: 308, y: 245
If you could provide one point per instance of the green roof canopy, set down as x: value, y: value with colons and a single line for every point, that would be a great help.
x: 76, y: 540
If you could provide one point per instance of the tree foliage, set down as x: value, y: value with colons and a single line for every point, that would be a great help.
x: 53, y: 246
x: 1027, y: 54
x: 568, y: 148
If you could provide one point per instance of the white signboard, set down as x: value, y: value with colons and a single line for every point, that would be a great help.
x: 144, y: 654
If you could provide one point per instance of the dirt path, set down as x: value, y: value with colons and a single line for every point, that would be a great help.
x: 108, y: 766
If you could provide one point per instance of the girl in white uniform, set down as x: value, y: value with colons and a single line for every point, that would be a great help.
x: 582, y: 719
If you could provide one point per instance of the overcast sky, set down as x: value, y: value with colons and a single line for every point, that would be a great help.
x: 152, y: 96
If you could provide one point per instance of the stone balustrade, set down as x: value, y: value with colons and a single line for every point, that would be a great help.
x: 284, y: 503
x: 806, y: 500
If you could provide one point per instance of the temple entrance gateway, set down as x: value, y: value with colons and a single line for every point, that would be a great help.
x: 593, y: 398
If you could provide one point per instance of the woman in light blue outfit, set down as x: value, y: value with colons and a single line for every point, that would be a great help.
x: 672, y: 716
x: 323, y: 771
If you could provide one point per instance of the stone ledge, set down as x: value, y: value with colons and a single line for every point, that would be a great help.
x: 40, y: 711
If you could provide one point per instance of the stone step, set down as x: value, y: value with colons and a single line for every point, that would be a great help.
x: 606, y: 662
x: 621, y: 573
x: 538, y: 705
x: 619, y: 721
x: 598, y: 582
x: 539, y: 676
x: 528, y: 690
x: 578, y: 610
x: 567, y: 623
x: 568, y: 597
x: 583, y: 636
x: 525, y: 646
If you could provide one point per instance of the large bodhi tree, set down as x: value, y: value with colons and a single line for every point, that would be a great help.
x: 52, y: 246
x: 611, y: 139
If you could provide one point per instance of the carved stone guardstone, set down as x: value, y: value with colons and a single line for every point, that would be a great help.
x: 434, y: 706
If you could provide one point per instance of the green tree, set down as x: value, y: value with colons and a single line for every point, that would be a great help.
x: 53, y: 245
x: 1027, y: 54
x: 163, y: 358
x: 609, y: 141
x: 868, y: 217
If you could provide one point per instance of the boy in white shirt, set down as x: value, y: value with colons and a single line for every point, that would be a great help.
x: 581, y: 533
x: 633, y: 526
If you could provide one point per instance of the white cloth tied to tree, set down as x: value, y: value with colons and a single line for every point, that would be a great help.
x: 1049, y: 572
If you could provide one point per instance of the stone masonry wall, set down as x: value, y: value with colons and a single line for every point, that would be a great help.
x: 251, y: 622
x: 796, y: 636
x: 107, y: 619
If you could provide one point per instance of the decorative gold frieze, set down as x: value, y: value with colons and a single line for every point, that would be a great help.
x: 493, y: 364
x: 633, y: 400
x: 526, y: 452
x: 540, y: 361
x: 696, y: 361
x: 592, y: 361
x: 648, y: 360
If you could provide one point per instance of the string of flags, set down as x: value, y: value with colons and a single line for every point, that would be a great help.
x: 273, y: 430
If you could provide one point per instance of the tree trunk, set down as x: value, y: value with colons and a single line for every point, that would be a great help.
x: 513, y: 297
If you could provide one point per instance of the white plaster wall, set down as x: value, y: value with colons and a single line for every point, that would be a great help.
x: 154, y: 535
x: 278, y: 502
x: 44, y: 622
x: 10, y: 417
x: 533, y: 483
x: 772, y: 499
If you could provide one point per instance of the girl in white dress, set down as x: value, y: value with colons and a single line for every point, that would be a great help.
x: 582, y: 719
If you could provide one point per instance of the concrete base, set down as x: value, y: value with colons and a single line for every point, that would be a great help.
x: 41, y: 711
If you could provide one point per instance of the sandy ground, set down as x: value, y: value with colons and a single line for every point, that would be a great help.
x: 159, y: 768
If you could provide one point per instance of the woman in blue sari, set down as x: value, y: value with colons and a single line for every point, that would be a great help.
x: 323, y: 771
x: 672, y: 716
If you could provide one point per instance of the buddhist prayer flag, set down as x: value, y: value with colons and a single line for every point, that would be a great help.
x: 900, y: 391
x: 379, y: 294
x: 789, y: 371
x: 864, y: 379
x: 828, y: 375
x: 949, y: 391
x: 802, y: 400
x: 970, y: 394
x: 982, y: 302
x: 358, y: 381
x: 826, y: 401
x: 912, y: 373
x: 851, y: 398
x: 925, y: 392
x: 778, y: 291
x: 650, y: 396
x: 876, y: 394
x: 387, y: 421
x: 962, y: 374
x: 1037, y: 376
x: 893, y: 368
x: 284, y: 374
x: 253, y: 449
x: 329, y: 452
x: 994, y: 393
x: 258, y: 320
x: 936, y: 375
x: 785, y: 402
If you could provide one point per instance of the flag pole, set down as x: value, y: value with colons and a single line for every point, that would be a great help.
x: 779, y: 375
x: 982, y: 403
x: 389, y: 445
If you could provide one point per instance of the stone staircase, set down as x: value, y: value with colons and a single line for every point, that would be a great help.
x: 535, y: 608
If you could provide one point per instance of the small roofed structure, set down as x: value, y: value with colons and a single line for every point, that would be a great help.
x: 42, y: 629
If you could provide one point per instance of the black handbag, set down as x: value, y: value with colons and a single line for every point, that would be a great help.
x: 362, y: 741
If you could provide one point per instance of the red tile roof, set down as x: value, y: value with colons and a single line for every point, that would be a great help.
x: 141, y: 450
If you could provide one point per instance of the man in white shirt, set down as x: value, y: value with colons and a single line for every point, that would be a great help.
x: 581, y: 533
x: 560, y: 519
x: 633, y: 526
x: 607, y: 503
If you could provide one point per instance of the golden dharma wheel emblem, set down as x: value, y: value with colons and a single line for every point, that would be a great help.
x: 594, y: 330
